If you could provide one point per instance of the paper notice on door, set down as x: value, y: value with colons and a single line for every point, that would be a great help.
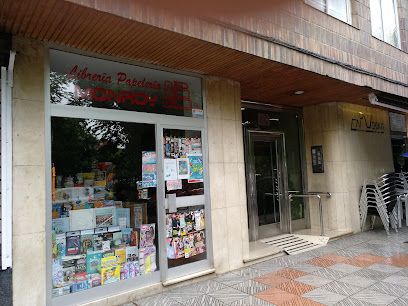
x: 170, y: 169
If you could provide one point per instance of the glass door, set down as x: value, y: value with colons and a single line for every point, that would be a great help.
x: 185, y: 210
x: 267, y: 184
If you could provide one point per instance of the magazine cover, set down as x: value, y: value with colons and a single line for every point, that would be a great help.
x: 199, y: 242
x: 132, y: 253
x: 87, y: 243
x: 126, y: 235
x: 148, y: 157
x: 110, y: 275
x: 78, y: 286
x: 80, y: 266
x: 73, y: 243
x: 97, y: 243
x: 196, y: 168
x: 105, y: 216
x: 188, y: 242
x: 94, y: 280
x: 59, y: 246
x: 124, y: 272
x: 120, y: 256
x: 57, y: 274
x: 60, y: 225
x: 171, y: 253
x: 133, y: 268
x: 147, y: 259
x: 134, y: 237
x: 147, y: 233
x: 178, y: 247
x: 109, y: 261
x: 182, y: 168
x: 93, y: 262
x: 169, y: 226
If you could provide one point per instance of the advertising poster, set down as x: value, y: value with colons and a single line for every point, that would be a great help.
x: 196, y: 169
x: 182, y: 168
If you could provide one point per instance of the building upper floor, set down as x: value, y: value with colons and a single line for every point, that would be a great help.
x: 362, y: 42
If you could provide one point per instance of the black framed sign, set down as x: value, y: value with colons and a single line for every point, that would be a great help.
x: 317, y: 159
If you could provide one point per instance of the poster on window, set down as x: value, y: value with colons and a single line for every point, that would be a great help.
x: 196, y: 169
x: 170, y: 169
x: 182, y: 168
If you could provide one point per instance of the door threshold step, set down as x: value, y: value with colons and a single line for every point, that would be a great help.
x: 294, y: 244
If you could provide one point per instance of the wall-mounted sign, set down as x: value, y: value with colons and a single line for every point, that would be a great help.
x: 397, y: 122
x: 317, y: 159
x: 365, y: 123
x: 79, y: 80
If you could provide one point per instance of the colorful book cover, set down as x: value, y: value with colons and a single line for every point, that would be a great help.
x: 178, y: 246
x: 87, y: 242
x: 79, y: 286
x: 124, y: 271
x: 171, y: 253
x: 117, y: 238
x: 80, y: 265
x: 169, y: 226
x: 148, y: 157
x: 199, y: 242
x: 73, y: 243
x: 147, y: 234
x: 97, y: 242
x: 149, y: 172
x: 126, y: 235
x: 108, y: 262
x: 196, y: 168
x: 57, y: 274
x: 93, y: 262
x: 59, y: 246
x: 133, y: 268
x: 105, y: 216
x: 120, y: 256
x: 188, y: 242
x: 94, y: 280
x: 132, y: 253
x: 134, y: 238
x: 147, y: 259
x: 123, y: 217
x: 110, y: 275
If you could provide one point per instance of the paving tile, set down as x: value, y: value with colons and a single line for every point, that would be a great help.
x: 341, y: 288
x: 397, y: 280
x: 358, y: 262
x: 249, y: 301
x: 372, y: 274
x: 374, y: 297
x: 399, y: 302
x: 251, y: 287
x: 231, y: 279
x: 321, y: 262
x: 313, y: 280
x: 295, y: 287
x: 323, y: 296
x: 157, y: 300
x: 182, y: 293
x: 267, y: 267
x: 305, y: 267
x: 345, y: 268
x: 403, y: 272
x: 329, y: 273
x: 350, y: 301
x: 276, y: 296
x: 202, y: 300
x: 248, y: 273
x: 208, y: 286
x: 370, y: 258
x: 271, y: 280
x: 228, y: 295
x: 400, y: 260
x: 301, y: 301
x: 349, y: 253
x: 388, y: 288
x: 334, y: 257
x: 384, y: 268
x: 289, y: 273
x: 357, y: 280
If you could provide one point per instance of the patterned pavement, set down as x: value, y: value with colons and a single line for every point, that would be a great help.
x: 364, y: 269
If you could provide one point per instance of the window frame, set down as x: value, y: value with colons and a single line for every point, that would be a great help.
x: 396, y: 17
x: 323, y: 7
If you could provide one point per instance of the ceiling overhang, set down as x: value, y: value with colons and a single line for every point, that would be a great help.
x: 63, y: 23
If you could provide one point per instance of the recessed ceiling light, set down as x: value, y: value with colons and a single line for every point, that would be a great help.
x: 299, y: 92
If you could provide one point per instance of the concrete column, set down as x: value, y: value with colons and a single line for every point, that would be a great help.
x: 227, y: 173
x: 29, y: 258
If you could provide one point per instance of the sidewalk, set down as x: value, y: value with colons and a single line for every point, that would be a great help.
x: 364, y: 269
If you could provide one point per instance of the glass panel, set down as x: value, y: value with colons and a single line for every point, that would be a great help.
x: 104, y: 213
x: 339, y: 9
x: 90, y: 82
x: 376, y: 19
x: 184, y: 187
x: 267, y: 181
x: 389, y: 15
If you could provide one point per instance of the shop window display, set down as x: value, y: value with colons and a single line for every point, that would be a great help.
x: 104, y: 213
x: 184, y: 177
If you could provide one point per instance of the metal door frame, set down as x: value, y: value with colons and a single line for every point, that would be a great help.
x: 253, y: 219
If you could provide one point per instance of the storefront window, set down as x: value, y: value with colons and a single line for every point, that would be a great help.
x: 78, y: 80
x: 184, y: 188
x: 104, y: 211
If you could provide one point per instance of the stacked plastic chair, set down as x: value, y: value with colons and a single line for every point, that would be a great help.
x: 380, y: 197
x: 403, y: 192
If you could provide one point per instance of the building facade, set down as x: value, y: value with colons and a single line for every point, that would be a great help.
x: 152, y: 144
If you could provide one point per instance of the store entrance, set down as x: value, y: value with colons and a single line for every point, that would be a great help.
x: 274, y: 159
x: 268, y: 203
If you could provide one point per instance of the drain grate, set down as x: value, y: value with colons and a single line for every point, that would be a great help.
x: 295, y: 244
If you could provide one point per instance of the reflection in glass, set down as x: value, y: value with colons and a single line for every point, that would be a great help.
x: 104, y: 214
